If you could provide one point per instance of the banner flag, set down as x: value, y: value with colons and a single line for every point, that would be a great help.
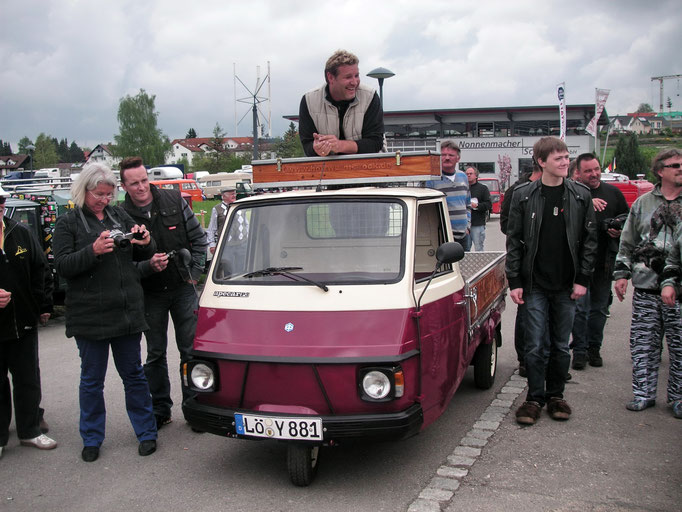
x: 560, y: 91
x: 600, y: 102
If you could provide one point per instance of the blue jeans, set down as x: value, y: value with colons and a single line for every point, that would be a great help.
x: 181, y: 303
x: 477, y: 234
x: 549, y: 318
x: 94, y: 359
x: 590, y: 316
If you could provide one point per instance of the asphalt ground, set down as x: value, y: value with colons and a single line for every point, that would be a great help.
x: 604, y: 458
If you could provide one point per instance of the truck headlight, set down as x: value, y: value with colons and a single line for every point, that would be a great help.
x: 199, y: 376
x: 381, y: 384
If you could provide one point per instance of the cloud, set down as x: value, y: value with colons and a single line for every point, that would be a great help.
x: 66, y: 73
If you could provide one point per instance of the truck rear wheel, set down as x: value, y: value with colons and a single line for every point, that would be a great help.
x: 302, y: 460
x: 485, y: 363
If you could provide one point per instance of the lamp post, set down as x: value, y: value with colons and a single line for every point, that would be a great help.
x: 31, y: 148
x: 380, y: 74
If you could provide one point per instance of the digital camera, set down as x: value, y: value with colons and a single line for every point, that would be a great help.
x: 122, y: 240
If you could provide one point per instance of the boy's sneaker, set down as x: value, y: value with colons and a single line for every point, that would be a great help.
x: 639, y: 404
x: 594, y: 358
x: 579, y: 361
x: 677, y: 409
x: 558, y: 409
x: 528, y: 413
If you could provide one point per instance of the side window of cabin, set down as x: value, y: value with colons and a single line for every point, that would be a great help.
x: 430, y: 234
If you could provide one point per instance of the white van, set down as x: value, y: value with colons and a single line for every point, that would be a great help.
x: 214, y: 183
x: 164, y: 173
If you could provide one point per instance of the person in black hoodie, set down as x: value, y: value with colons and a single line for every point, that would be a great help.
x: 25, y: 300
x: 105, y: 303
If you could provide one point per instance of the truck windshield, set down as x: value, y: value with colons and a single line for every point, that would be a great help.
x: 347, y: 241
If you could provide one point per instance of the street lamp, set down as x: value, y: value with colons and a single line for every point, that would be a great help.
x: 31, y: 148
x: 380, y: 74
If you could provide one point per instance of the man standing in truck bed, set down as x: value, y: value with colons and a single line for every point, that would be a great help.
x: 551, y: 247
x: 341, y: 117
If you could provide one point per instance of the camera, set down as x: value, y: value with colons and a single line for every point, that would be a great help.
x: 122, y: 240
x: 651, y: 256
x: 616, y: 223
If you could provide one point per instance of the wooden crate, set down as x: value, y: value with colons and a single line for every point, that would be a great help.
x: 347, y: 169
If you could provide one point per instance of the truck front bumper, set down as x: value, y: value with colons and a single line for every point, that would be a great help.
x: 387, y: 426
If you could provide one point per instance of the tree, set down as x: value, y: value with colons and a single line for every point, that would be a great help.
x: 289, y: 146
x: 629, y: 160
x: 5, y: 148
x: 45, y: 154
x: 138, y: 131
x: 24, y: 142
x: 643, y: 107
x: 63, y: 151
x: 669, y: 104
x: 191, y: 134
x: 75, y: 153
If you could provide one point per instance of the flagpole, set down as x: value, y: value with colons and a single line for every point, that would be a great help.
x: 596, y: 128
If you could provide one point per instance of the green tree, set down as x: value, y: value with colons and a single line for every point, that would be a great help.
x: 138, y: 131
x: 63, y: 151
x: 45, y: 154
x: 24, y: 142
x: 191, y: 134
x: 5, y: 148
x: 644, y: 107
x: 289, y: 146
x: 629, y: 160
x: 75, y: 153
x: 669, y: 104
x: 185, y: 162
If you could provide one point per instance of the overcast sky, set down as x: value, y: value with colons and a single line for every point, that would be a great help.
x: 67, y: 63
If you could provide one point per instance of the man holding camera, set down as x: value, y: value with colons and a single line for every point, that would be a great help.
x: 591, y: 312
x: 647, y: 239
x: 170, y: 288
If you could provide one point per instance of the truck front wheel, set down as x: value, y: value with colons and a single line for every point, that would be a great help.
x: 485, y: 363
x: 302, y: 462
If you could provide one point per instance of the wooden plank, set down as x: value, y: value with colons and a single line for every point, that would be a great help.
x: 380, y: 166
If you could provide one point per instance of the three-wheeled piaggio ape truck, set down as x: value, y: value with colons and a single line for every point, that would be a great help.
x: 340, y: 314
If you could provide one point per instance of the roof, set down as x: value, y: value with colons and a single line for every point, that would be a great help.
x: 12, y: 162
x: 396, y: 192
x: 195, y: 144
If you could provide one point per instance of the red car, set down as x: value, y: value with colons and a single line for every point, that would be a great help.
x: 496, y: 194
x: 631, y: 189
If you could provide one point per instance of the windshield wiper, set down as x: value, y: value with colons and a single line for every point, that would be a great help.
x: 286, y: 272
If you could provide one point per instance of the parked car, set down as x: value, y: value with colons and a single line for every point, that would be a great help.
x: 184, y: 185
x: 631, y: 189
x: 496, y: 194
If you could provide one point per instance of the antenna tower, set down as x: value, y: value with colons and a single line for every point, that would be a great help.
x: 253, y: 99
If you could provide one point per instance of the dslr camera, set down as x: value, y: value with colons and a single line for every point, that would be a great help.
x: 614, y: 222
x: 122, y: 240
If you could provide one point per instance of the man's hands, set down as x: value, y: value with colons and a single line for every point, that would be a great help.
x: 145, y: 235
x: 621, y: 287
x: 578, y: 291
x: 5, y: 297
x: 668, y: 295
x: 159, y: 261
x: 517, y: 295
x: 325, y: 145
x: 599, y: 204
x: 44, y: 317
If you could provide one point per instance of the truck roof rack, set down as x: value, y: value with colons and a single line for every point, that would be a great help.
x: 347, y: 170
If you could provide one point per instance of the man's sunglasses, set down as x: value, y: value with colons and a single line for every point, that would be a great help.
x: 674, y: 166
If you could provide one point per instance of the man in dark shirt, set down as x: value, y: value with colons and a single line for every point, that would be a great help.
x: 551, y: 245
x: 592, y: 309
x: 342, y: 116
x: 481, y: 206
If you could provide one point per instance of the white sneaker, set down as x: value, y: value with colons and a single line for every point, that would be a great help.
x: 42, y: 442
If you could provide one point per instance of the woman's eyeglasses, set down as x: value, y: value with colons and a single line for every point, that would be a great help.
x: 101, y: 197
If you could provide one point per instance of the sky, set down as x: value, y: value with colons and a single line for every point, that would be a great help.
x: 66, y: 64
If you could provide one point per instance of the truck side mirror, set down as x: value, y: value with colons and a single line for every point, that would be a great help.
x: 449, y: 252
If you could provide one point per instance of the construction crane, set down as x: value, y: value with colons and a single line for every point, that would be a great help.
x: 660, y: 80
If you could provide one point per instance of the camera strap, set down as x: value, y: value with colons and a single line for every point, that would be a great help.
x: 117, y: 225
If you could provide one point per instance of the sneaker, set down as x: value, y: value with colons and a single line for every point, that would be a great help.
x: 90, y: 453
x: 162, y: 420
x: 594, y: 358
x: 42, y: 442
x: 147, y: 447
x: 522, y: 370
x: 579, y: 361
x: 558, y: 409
x: 677, y: 410
x: 528, y: 413
x: 639, y: 405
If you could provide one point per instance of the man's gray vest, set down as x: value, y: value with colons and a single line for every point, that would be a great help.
x: 326, y: 116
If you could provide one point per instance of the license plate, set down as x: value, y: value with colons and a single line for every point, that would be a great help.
x: 279, y: 427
